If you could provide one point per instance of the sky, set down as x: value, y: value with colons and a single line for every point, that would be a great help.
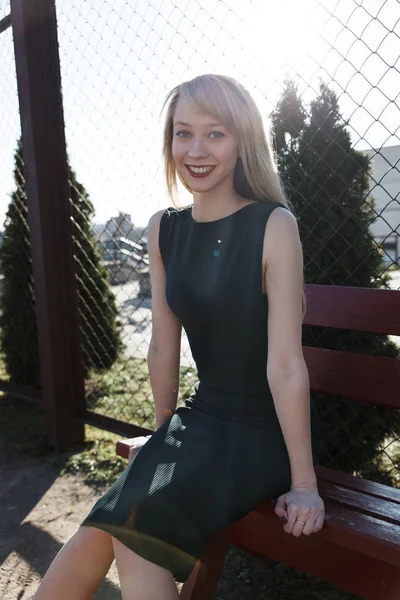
x: 119, y: 59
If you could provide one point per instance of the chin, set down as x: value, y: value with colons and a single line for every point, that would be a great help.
x: 199, y: 185
x: 202, y: 186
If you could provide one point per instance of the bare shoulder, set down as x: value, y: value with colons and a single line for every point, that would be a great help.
x: 155, y: 219
x: 281, y: 220
x: 281, y: 230
x: 153, y: 229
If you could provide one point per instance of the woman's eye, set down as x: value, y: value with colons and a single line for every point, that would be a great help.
x: 213, y: 134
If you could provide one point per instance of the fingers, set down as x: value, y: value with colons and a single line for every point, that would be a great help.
x: 319, y: 522
x: 280, y: 508
x: 305, y: 511
x: 312, y: 521
x: 306, y: 529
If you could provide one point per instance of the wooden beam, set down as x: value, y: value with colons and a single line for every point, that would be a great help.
x: 49, y: 215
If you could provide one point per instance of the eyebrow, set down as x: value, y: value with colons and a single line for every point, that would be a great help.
x: 207, y: 124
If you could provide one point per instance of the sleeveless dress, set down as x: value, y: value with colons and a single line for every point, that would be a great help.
x: 222, y: 453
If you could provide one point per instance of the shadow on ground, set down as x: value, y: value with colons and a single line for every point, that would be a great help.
x: 38, y: 512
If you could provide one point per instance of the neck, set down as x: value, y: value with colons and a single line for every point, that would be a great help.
x: 216, y: 203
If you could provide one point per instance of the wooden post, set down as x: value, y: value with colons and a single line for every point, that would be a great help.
x: 49, y: 214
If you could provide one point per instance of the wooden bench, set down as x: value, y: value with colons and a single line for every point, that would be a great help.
x: 358, y: 548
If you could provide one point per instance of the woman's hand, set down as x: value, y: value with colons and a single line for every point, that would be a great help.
x: 136, y: 445
x: 303, y: 504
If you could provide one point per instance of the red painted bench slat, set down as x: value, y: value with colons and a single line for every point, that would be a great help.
x: 357, y: 309
x: 346, y: 527
x: 123, y: 447
x: 371, y: 379
x: 369, y: 505
x: 379, y: 490
x: 322, y: 555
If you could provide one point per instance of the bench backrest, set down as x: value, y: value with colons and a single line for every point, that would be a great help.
x: 362, y: 377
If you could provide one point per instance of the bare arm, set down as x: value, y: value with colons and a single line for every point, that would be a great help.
x: 286, y: 368
x: 163, y: 356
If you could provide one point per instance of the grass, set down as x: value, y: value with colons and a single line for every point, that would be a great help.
x: 23, y: 429
x: 124, y: 391
x: 96, y: 461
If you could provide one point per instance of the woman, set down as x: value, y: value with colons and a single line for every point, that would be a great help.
x: 229, y: 270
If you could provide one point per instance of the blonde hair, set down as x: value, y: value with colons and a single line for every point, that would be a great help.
x: 256, y: 174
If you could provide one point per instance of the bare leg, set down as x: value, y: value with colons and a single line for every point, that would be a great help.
x: 141, y: 579
x: 79, y: 568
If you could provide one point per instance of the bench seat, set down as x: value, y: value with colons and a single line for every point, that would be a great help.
x: 358, y: 548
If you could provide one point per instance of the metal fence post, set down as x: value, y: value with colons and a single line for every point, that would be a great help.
x: 46, y: 172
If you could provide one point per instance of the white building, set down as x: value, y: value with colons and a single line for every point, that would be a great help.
x: 119, y: 227
x: 385, y: 190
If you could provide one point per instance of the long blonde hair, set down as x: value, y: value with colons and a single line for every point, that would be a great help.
x: 256, y: 174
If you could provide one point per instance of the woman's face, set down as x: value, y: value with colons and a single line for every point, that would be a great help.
x: 205, y: 151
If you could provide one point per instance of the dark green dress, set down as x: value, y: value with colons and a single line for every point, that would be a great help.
x: 222, y: 453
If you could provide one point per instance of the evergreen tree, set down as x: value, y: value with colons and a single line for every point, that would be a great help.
x: 101, y: 331
x: 326, y: 181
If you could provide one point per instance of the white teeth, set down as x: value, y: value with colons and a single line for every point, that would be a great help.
x: 200, y: 169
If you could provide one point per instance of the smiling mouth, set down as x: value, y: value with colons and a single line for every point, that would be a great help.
x: 200, y: 171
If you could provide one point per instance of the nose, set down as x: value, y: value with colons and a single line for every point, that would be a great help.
x: 197, y: 148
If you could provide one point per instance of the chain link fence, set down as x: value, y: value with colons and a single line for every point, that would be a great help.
x: 118, y: 62
x: 4, y: 8
x: 324, y: 74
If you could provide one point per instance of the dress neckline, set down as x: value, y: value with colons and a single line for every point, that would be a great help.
x: 222, y: 218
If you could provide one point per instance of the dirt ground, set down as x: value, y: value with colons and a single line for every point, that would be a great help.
x: 39, y: 511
